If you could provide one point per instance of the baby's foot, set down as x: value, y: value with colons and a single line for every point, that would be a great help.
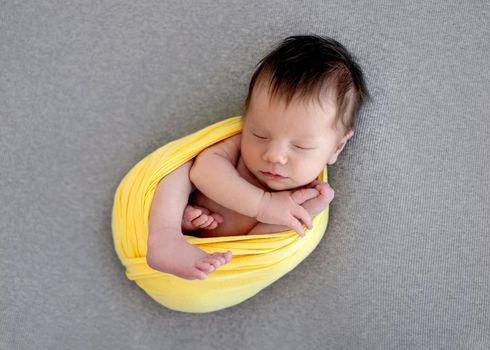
x: 196, y: 217
x: 176, y: 256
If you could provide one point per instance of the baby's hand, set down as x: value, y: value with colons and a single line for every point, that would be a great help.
x: 283, y: 208
x: 196, y: 217
x: 316, y: 205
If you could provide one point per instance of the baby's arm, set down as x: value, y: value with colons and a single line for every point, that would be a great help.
x: 214, y: 173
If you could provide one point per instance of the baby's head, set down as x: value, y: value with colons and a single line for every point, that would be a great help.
x: 300, y: 110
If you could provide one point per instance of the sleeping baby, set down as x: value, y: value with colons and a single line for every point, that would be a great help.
x: 298, y: 116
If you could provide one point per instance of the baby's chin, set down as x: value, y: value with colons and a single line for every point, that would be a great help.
x: 282, y: 185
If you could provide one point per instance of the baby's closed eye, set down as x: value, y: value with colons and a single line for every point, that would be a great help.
x: 304, y: 147
x: 295, y: 145
x: 259, y: 137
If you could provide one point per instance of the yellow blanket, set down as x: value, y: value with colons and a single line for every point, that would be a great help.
x: 258, y: 260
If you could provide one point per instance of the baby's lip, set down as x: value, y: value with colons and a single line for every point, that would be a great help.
x: 273, y: 175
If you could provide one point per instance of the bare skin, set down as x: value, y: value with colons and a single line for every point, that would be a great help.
x: 169, y: 252
x: 208, y: 224
x: 260, y: 181
x: 197, y: 217
x: 233, y: 223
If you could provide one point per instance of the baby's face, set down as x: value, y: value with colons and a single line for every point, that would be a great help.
x: 287, y: 147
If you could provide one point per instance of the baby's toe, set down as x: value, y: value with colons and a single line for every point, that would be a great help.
x: 209, y: 220
x: 202, y: 209
x: 205, y: 266
x: 198, y: 274
x: 215, y: 261
x: 191, y: 213
x: 211, y: 226
x: 227, y: 256
x: 217, y: 217
x: 201, y: 220
x: 219, y: 257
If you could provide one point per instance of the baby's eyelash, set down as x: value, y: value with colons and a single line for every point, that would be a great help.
x: 260, y: 137
x: 304, y: 148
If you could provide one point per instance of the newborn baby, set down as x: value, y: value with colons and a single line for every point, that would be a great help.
x: 298, y: 116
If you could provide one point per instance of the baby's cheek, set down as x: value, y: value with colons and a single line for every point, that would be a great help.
x: 309, y: 171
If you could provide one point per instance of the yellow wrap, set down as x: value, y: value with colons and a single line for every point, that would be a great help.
x: 258, y: 260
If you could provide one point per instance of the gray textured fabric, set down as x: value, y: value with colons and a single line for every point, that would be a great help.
x: 89, y: 88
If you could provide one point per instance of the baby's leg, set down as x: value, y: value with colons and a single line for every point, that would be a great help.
x: 168, y: 251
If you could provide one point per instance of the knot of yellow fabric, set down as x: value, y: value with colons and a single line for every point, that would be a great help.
x: 258, y: 260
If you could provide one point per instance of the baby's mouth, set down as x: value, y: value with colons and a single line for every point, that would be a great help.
x: 274, y: 176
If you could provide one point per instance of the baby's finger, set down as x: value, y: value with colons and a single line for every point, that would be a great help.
x: 301, y: 196
x: 313, y: 184
x: 296, y: 226
x: 324, y: 185
x: 301, y: 214
x: 322, y: 188
x: 326, y: 191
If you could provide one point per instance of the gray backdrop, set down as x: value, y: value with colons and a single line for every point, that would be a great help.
x: 89, y: 88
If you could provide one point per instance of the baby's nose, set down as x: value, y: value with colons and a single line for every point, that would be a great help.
x: 276, y: 154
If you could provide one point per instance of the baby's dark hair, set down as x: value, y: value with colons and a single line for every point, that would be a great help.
x: 306, y: 66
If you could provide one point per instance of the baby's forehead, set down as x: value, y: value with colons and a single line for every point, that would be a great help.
x: 299, y: 126
x: 317, y: 113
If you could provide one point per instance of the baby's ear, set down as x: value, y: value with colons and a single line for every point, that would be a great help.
x: 340, y: 146
x: 349, y: 134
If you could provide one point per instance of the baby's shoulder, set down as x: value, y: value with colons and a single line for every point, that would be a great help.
x: 228, y: 148
x: 236, y: 139
x: 232, y: 143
